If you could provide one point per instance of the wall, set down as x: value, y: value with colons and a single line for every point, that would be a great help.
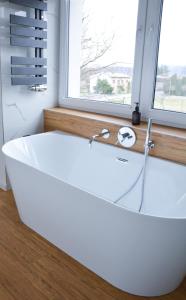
x: 170, y: 143
x: 21, y: 110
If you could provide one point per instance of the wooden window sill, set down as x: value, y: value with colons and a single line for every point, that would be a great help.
x: 170, y: 143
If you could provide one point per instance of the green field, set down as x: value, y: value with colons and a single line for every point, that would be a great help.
x: 173, y: 103
x: 114, y: 98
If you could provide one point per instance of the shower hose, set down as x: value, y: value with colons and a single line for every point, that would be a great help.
x: 141, y: 173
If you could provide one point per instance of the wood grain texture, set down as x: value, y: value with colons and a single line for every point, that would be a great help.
x: 170, y: 143
x: 33, y: 269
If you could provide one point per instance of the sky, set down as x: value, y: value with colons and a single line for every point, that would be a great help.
x: 113, y: 17
x: 173, y: 33
x: 119, y: 17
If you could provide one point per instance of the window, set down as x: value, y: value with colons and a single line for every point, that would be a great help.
x: 118, y: 52
x: 170, y: 92
x: 102, y: 38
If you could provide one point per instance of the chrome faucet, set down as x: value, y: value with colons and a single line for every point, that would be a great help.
x: 149, y: 144
x: 104, y: 133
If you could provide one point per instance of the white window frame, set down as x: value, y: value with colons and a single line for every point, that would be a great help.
x: 100, y: 106
x: 149, y: 72
x: 144, y: 74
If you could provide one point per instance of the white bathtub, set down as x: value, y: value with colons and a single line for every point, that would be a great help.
x: 65, y: 191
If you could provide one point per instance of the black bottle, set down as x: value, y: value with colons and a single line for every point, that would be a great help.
x: 136, y: 115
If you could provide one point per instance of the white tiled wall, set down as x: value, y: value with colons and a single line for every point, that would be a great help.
x: 21, y: 109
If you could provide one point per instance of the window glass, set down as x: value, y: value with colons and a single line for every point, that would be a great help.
x: 102, y: 37
x: 170, y: 92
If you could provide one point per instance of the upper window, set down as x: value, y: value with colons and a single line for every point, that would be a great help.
x: 102, y: 38
x: 170, y: 92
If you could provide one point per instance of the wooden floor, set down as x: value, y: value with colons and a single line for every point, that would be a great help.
x: 33, y: 269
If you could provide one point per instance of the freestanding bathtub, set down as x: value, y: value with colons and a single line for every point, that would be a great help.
x: 65, y: 191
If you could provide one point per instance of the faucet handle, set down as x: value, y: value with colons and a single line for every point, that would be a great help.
x: 126, y: 137
x: 105, y: 133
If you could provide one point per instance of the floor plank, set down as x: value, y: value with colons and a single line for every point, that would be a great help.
x: 33, y: 269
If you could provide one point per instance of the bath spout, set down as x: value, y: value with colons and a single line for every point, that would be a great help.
x: 105, y: 133
x: 93, y: 139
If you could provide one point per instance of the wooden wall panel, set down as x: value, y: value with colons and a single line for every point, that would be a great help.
x: 170, y: 143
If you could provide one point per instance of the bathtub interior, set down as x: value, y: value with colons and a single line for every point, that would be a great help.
x: 98, y: 171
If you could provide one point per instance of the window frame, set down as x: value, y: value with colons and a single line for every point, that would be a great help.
x: 144, y: 73
x: 93, y: 105
x: 149, y: 72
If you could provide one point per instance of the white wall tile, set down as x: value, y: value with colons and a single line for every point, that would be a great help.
x: 20, y: 108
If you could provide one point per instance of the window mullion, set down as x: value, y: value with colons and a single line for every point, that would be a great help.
x: 154, y: 12
x: 139, y: 51
x: 64, y: 49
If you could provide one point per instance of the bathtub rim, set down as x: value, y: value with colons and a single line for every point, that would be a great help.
x: 79, y: 187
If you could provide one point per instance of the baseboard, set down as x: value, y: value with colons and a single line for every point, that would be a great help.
x: 5, y: 187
